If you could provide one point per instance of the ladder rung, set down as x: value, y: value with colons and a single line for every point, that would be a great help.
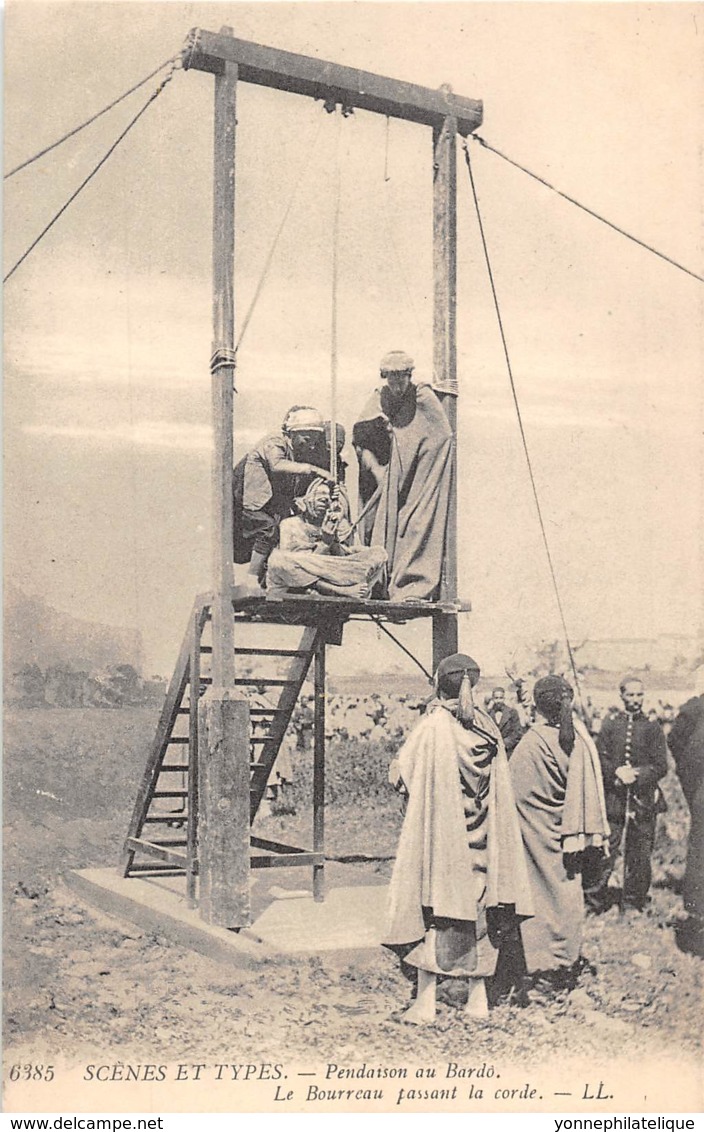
x: 153, y: 868
x: 183, y: 739
x: 179, y: 817
x: 207, y: 650
x: 140, y: 845
x: 170, y: 843
x: 170, y: 794
x: 274, y: 681
x: 272, y: 652
x: 173, y: 767
x: 260, y: 738
x: 267, y: 711
x: 183, y: 711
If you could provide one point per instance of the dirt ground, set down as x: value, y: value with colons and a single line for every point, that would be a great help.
x: 78, y: 982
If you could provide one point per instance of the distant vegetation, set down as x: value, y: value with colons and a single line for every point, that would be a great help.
x: 55, y: 660
x: 117, y: 686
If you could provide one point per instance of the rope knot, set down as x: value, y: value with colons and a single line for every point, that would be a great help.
x: 223, y: 358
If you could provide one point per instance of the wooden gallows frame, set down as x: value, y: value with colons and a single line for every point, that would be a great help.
x: 219, y: 784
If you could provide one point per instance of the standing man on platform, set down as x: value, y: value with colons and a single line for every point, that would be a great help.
x: 267, y: 480
x: 506, y: 719
x: 633, y: 754
x: 403, y: 442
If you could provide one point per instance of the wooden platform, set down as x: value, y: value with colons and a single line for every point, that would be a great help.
x: 304, y: 609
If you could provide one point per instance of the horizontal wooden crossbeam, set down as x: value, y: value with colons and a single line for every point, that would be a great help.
x: 287, y: 861
x: 140, y: 844
x: 274, y: 846
x: 302, y: 74
x: 279, y: 856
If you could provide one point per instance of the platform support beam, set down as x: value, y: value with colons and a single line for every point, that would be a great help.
x: 223, y: 373
x: 445, y: 633
x: 319, y: 770
x: 223, y: 713
x: 223, y: 824
x: 193, y: 695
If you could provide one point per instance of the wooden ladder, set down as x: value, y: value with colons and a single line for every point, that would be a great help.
x: 167, y: 799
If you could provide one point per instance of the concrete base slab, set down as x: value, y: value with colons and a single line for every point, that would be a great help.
x: 287, y: 919
x: 348, y: 918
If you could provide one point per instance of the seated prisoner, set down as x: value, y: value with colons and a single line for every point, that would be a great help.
x: 267, y: 480
x: 316, y: 550
x: 403, y: 442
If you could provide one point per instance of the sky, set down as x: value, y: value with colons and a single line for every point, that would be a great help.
x: 108, y: 322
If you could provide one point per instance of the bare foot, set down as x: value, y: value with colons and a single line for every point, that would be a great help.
x: 248, y: 589
x: 251, y: 582
x: 481, y: 1011
x: 417, y: 1016
x: 477, y: 1005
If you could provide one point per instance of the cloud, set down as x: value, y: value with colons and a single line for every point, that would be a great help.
x: 87, y: 325
x: 146, y: 433
x: 174, y: 436
x: 549, y: 417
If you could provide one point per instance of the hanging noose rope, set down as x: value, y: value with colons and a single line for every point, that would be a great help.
x: 93, y: 171
x: 94, y: 118
x: 524, y: 440
x: 337, y: 196
x: 585, y: 208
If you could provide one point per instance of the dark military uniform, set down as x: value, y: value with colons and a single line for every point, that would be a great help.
x: 508, y: 722
x: 634, y: 740
x: 687, y: 746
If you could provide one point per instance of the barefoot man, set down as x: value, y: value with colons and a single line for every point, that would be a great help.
x: 460, y: 880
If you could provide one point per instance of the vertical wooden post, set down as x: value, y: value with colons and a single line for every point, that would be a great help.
x: 194, y: 690
x: 223, y: 372
x: 319, y: 769
x: 223, y: 819
x: 445, y: 636
x: 223, y: 715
